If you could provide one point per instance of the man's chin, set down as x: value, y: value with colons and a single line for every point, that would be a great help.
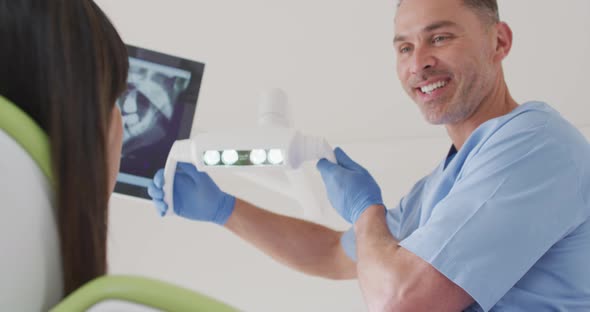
x: 431, y: 114
x: 434, y: 120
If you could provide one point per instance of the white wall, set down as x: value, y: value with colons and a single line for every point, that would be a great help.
x: 334, y: 58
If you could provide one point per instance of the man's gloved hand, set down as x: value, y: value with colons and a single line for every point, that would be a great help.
x: 196, y: 196
x: 351, y: 189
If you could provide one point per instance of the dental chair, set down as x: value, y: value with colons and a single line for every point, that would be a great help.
x: 30, y: 265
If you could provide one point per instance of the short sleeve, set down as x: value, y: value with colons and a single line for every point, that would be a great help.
x: 511, y: 202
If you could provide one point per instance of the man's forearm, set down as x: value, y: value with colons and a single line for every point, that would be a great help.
x: 301, y: 245
x: 376, y: 249
x: 394, y: 279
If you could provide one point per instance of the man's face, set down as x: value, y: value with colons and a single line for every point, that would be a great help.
x: 444, y: 58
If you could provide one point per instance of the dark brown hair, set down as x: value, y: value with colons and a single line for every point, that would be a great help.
x: 64, y: 64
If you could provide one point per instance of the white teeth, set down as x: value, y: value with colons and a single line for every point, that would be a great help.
x: 433, y: 86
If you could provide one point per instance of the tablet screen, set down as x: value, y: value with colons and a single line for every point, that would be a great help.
x: 157, y: 108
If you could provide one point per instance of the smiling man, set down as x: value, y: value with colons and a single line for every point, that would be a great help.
x: 448, y: 60
x: 502, y: 224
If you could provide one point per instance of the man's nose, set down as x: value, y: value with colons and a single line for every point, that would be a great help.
x: 422, y: 59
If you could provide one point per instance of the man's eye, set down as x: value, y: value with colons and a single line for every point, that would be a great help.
x: 439, y: 39
x: 403, y: 50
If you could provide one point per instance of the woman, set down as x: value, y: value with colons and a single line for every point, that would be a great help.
x: 64, y: 64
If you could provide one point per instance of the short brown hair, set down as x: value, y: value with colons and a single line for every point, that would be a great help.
x: 487, y: 9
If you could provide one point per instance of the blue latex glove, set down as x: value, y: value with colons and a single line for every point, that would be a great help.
x: 196, y: 196
x: 351, y: 189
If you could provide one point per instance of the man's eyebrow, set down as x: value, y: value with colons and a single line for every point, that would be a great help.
x: 436, y: 25
x: 430, y: 28
x: 398, y: 38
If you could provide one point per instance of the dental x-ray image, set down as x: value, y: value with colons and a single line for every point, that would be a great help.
x: 157, y: 109
x: 148, y: 103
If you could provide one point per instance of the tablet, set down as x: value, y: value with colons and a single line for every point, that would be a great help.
x: 158, y: 108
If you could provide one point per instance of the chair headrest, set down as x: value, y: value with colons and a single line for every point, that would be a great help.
x: 27, y: 133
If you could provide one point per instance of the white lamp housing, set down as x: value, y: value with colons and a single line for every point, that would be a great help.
x: 274, y: 144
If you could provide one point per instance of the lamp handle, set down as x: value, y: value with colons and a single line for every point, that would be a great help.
x: 180, y: 152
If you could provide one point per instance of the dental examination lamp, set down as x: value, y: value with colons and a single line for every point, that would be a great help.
x: 253, y: 153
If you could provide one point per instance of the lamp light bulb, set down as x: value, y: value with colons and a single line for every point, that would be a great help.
x: 258, y: 156
x: 275, y: 156
x: 229, y: 157
x: 211, y: 158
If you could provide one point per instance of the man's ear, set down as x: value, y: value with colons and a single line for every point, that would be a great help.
x: 503, y: 41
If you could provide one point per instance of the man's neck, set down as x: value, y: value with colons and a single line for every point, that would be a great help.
x: 498, y: 103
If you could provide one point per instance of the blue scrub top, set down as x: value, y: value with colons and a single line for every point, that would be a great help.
x: 506, y: 218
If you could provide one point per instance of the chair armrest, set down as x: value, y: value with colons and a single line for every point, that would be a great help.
x: 141, y: 290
